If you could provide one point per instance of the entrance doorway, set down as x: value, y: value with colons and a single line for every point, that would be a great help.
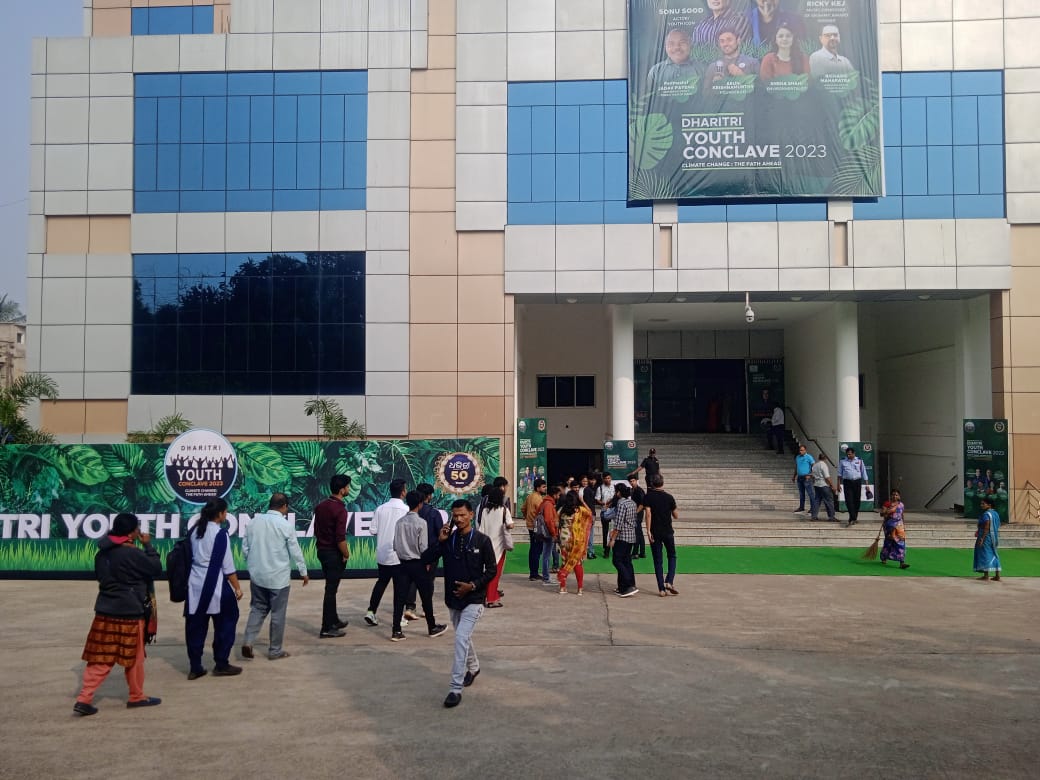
x: 699, y: 396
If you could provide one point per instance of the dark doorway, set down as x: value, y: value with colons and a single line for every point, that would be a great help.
x: 699, y: 396
x: 561, y: 464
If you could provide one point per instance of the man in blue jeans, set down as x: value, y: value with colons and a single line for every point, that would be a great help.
x: 660, y: 510
x: 803, y: 463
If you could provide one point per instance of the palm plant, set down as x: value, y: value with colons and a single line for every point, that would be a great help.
x: 10, y: 311
x: 170, y: 425
x: 334, y: 424
x: 14, y: 428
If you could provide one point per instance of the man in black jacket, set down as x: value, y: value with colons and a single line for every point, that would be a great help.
x: 469, y: 565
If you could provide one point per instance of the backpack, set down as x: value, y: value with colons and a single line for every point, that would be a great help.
x: 541, y: 530
x: 178, y: 569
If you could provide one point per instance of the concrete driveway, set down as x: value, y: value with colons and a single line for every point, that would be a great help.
x: 738, y: 676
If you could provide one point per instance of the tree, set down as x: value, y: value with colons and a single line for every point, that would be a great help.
x: 170, y: 425
x: 14, y: 428
x: 10, y: 311
x: 334, y: 424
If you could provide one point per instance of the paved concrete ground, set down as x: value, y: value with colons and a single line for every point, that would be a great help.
x: 739, y: 676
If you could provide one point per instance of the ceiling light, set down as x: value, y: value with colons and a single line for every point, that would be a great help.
x: 796, y: 298
x: 572, y: 300
x: 923, y: 297
x: 680, y: 300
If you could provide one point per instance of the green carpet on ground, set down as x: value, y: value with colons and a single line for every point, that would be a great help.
x: 829, y: 561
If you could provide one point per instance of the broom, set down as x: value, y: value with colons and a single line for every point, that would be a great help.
x: 871, y: 552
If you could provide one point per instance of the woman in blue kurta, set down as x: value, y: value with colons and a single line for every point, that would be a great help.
x: 987, y: 539
x: 895, y: 535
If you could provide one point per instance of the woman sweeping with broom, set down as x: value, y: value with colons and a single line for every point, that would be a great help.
x: 894, y: 548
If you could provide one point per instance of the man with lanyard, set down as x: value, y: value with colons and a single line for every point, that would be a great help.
x: 469, y: 565
x: 604, y: 495
x: 803, y: 463
x: 853, y: 475
x: 330, y: 535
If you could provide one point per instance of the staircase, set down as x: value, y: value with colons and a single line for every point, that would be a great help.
x: 723, y: 472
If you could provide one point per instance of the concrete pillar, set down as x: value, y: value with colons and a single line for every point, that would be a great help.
x: 846, y: 361
x: 622, y: 354
x: 974, y: 358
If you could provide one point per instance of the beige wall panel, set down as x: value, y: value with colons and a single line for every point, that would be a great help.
x: 110, y: 235
x: 484, y: 383
x: 481, y: 415
x: 434, y: 249
x: 1026, y: 448
x: 435, y: 383
x: 441, y: 52
x: 68, y: 235
x: 481, y: 348
x: 482, y: 253
x: 106, y: 417
x: 1025, y: 409
x: 222, y: 19
x: 433, y: 347
x: 1024, y: 343
x: 1025, y: 245
x: 433, y: 416
x: 433, y: 117
x: 111, y: 22
x: 1025, y: 291
x: 437, y: 81
x: 64, y: 417
x: 442, y: 17
x: 433, y: 299
x: 1022, y: 379
x: 430, y: 199
x: 432, y: 164
x: 481, y: 299
x: 508, y: 345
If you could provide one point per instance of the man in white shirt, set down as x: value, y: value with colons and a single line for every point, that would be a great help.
x: 384, y: 524
x: 604, y: 495
x: 824, y: 488
x: 776, y: 428
x: 826, y: 61
x: 271, y: 548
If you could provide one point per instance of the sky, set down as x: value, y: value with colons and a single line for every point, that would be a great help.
x: 23, y: 21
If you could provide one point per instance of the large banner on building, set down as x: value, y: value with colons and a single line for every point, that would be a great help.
x: 754, y: 99
x: 867, y: 496
x: 620, y: 458
x: 530, y: 455
x: 765, y: 389
x: 986, y: 466
x: 56, y: 501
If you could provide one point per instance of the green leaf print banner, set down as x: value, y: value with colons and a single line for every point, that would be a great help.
x: 754, y: 99
x: 57, y: 501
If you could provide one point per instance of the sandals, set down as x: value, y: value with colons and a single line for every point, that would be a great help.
x: 671, y: 589
x: 494, y: 604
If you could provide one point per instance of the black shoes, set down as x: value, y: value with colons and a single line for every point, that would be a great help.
x: 397, y: 636
x: 227, y: 671
x: 81, y: 709
x: 331, y: 633
x: 247, y: 651
x: 453, y: 699
x: 438, y: 629
x: 341, y: 624
x: 151, y: 701
x: 197, y: 675
x: 469, y: 678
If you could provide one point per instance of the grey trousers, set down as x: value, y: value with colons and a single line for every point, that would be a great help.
x: 264, y: 602
x: 464, y: 621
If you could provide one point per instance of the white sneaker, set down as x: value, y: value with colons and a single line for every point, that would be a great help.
x: 371, y: 619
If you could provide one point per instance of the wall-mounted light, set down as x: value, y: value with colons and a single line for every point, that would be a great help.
x: 572, y: 300
x: 680, y: 300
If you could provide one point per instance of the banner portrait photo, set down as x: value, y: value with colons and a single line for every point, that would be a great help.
x: 754, y: 99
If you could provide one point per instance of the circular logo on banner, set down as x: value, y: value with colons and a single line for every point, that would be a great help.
x: 631, y: 445
x: 541, y: 425
x: 999, y: 427
x: 868, y: 447
x: 521, y: 425
x: 969, y: 427
x: 458, y: 472
x: 200, y: 465
x: 608, y: 445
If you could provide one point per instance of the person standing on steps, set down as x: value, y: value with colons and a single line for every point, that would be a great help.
x: 803, y: 463
x: 330, y: 541
x: 853, y: 475
x: 661, y: 511
x: 823, y: 488
x: 776, y: 428
x: 384, y: 523
x: 649, y: 466
x: 469, y: 565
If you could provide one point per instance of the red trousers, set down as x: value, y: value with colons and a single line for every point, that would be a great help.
x: 492, y: 588
x: 579, y: 575
x: 95, y: 674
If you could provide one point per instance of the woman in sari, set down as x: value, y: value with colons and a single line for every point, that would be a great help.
x: 575, y: 525
x: 123, y: 613
x: 894, y: 548
x: 497, y: 524
x: 987, y: 539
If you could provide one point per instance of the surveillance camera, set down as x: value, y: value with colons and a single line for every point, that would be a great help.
x: 749, y: 315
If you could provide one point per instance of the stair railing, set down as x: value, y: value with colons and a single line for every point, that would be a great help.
x: 1032, y: 499
x: 943, y: 489
x: 806, y: 437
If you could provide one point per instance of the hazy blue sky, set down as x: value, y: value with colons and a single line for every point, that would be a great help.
x: 23, y: 21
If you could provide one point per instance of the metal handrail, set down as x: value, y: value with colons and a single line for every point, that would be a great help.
x: 819, y: 447
x: 943, y: 489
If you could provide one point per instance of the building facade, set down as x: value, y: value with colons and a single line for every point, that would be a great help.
x: 419, y: 208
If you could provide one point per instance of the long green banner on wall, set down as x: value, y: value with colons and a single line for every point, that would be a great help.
x: 620, y: 458
x: 865, y: 452
x: 986, y: 466
x: 530, y: 455
x: 57, y: 500
x: 754, y: 99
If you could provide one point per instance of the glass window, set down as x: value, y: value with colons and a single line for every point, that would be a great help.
x: 547, y: 391
x: 566, y: 391
x: 585, y: 391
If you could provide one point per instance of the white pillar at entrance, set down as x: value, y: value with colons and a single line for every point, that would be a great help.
x: 622, y: 353
x: 846, y: 360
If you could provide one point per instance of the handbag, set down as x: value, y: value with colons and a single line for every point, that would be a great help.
x: 608, y: 514
x: 507, y: 539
